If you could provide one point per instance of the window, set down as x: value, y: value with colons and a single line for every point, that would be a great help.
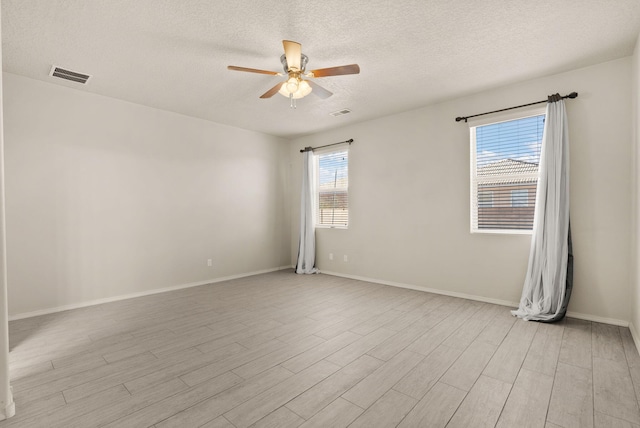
x: 504, y: 174
x: 332, y: 188
x: 485, y: 198
x: 520, y: 198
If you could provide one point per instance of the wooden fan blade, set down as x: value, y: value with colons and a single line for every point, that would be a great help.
x: 293, y: 52
x: 336, y: 71
x: 271, y: 92
x: 253, y: 70
x: 319, y: 90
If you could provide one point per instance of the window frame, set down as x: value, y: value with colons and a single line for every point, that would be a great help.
x: 316, y: 155
x: 473, y: 188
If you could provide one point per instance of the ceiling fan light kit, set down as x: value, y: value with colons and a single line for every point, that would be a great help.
x: 294, y: 63
x: 295, y: 90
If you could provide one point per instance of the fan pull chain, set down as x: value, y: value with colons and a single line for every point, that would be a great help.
x: 293, y: 102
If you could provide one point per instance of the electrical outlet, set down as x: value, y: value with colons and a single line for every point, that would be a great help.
x: 346, y: 258
x: 330, y: 256
x: 209, y: 262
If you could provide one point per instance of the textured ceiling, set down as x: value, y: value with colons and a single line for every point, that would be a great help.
x: 173, y: 54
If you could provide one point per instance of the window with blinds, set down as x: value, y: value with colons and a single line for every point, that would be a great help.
x: 332, y: 187
x: 504, y: 174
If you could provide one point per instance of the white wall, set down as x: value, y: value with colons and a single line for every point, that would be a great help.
x: 635, y: 197
x: 7, y: 405
x: 409, y: 196
x: 108, y: 198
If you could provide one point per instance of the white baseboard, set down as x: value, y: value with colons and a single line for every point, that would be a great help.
x: 578, y: 315
x: 139, y: 294
x: 586, y: 317
x: 595, y: 318
x: 426, y: 289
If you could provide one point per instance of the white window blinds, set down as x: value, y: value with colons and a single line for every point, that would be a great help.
x: 504, y: 174
x: 333, y: 184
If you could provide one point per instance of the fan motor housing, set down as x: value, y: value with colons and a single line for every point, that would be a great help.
x: 303, y: 63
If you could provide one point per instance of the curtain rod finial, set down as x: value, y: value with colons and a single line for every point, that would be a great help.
x: 458, y: 119
x: 573, y: 95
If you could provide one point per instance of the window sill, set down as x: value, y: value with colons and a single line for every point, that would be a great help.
x: 322, y: 226
x: 501, y: 232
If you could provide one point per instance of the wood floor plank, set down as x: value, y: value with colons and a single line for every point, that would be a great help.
x: 405, y: 320
x: 298, y: 334
x: 468, y: 332
x: 317, y: 353
x: 545, y: 349
x: 482, y: 405
x: 27, y: 371
x: 434, y: 337
x: 134, y: 372
x: 606, y: 342
x: 280, y: 418
x: 464, y: 372
x: 498, y: 327
x: 613, y: 390
x: 374, y: 386
x: 261, y: 405
x: 571, y: 402
x: 338, y: 328
x: 69, y: 411
x: 56, y: 375
x: 27, y: 410
x: 376, y: 322
x: 435, y: 409
x: 423, y: 376
x: 576, y: 344
x: 272, y: 359
x: 338, y: 414
x: 388, y: 411
x: 403, y: 338
x: 417, y: 299
x: 88, y: 376
x: 219, y: 404
x: 194, y: 373
x: 605, y: 421
x: 319, y: 396
x: 360, y: 347
x: 178, y: 364
x: 164, y: 408
x: 101, y: 415
x: 220, y: 422
x: 633, y: 358
x: 528, y: 401
x: 279, y: 349
x: 239, y: 337
x: 508, y: 358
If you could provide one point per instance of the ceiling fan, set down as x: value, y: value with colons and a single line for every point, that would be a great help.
x: 294, y: 63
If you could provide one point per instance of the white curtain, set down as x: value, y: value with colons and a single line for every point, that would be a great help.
x: 545, y: 294
x: 307, y: 246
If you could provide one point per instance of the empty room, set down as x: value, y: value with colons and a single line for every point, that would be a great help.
x: 320, y: 214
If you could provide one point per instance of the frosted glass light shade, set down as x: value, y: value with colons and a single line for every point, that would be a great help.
x: 303, y: 90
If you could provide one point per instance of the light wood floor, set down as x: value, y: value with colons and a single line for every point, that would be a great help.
x: 286, y: 350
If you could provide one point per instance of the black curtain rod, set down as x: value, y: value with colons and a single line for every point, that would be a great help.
x: 310, y: 149
x: 571, y: 95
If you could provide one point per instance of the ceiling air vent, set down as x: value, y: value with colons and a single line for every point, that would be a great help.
x: 340, y: 112
x: 74, y: 76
